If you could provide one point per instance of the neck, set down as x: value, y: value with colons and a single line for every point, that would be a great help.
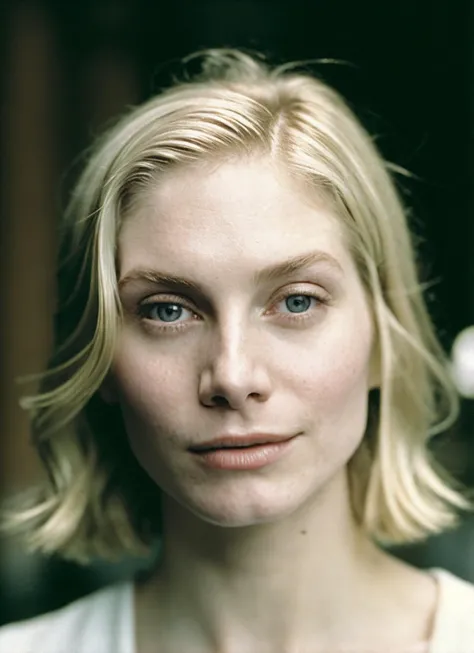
x: 269, y: 587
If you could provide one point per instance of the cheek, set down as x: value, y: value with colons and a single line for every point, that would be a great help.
x: 151, y: 391
x: 333, y: 383
x: 150, y: 388
x: 342, y: 375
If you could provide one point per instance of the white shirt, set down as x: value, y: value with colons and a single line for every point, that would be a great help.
x: 103, y: 622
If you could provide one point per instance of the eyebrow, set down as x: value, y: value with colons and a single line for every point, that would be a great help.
x: 269, y: 273
x: 296, y: 264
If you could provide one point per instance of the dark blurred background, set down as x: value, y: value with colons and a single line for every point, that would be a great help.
x: 67, y: 68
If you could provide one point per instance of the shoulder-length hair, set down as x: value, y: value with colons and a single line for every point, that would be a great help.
x: 98, y: 500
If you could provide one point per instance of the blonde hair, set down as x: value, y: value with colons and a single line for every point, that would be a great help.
x: 98, y: 500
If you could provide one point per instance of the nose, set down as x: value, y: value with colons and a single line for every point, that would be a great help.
x: 235, y: 373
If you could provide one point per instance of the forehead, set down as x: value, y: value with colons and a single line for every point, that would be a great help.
x: 228, y: 213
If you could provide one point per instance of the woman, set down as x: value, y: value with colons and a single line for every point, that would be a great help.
x: 245, y: 367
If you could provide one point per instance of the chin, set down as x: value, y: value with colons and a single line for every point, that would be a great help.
x: 238, y: 510
x: 237, y: 519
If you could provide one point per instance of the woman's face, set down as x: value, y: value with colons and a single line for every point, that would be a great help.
x: 244, y: 316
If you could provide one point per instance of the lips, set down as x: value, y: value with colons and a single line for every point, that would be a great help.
x: 202, y: 448
x: 239, y: 442
x: 243, y: 454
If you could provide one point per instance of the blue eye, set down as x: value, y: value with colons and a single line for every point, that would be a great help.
x: 299, y: 303
x: 164, y: 311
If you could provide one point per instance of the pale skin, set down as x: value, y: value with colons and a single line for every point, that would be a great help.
x: 267, y: 560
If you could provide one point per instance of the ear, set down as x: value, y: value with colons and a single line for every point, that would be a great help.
x: 108, y: 391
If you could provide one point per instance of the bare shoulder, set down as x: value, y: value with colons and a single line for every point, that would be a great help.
x: 100, y: 618
x: 414, y: 597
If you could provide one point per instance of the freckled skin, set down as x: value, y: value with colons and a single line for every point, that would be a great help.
x: 218, y: 226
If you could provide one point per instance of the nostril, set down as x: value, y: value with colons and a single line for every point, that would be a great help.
x: 219, y: 400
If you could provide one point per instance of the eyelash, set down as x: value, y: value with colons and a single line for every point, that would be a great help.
x: 322, y: 299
